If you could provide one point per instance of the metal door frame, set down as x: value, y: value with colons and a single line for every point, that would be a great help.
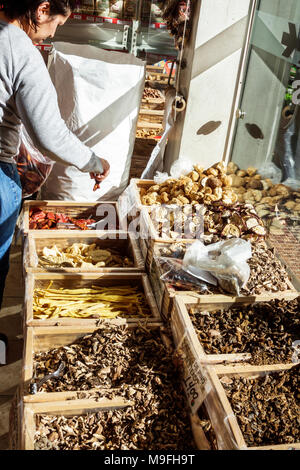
x: 240, y: 84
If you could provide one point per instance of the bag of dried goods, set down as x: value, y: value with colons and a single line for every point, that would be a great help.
x: 100, y: 104
x: 225, y: 260
x: 33, y: 167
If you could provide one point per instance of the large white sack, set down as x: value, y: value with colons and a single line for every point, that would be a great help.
x: 99, y: 94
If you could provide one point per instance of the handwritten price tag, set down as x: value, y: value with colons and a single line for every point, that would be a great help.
x: 195, y: 380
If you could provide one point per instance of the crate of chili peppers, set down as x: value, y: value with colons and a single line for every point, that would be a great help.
x: 70, y: 215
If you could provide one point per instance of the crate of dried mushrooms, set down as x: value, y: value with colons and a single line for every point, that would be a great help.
x: 85, y: 298
x: 201, y: 205
x: 261, y: 405
x: 108, y: 252
x: 257, y: 334
x: 110, y: 362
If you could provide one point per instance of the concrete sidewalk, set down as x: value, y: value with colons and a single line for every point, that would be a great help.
x: 11, y: 326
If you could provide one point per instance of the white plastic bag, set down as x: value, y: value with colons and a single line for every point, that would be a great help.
x: 225, y: 260
x: 181, y: 167
x: 160, y: 178
x: 271, y: 171
x: 99, y: 94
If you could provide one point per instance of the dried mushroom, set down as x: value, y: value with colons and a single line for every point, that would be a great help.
x: 267, y: 274
x: 267, y: 408
x: 275, y: 203
x: 198, y: 187
x: 210, y: 223
x: 266, y: 330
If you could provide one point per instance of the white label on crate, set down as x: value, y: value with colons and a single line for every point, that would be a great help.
x: 77, y: 17
x: 195, y: 380
x: 90, y: 18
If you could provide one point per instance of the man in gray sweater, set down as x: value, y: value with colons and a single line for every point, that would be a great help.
x: 28, y: 96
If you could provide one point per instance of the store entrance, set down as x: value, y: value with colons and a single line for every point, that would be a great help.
x: 268, y: 130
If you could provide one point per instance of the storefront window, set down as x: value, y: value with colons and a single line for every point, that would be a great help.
x: 268, y: 136
x: 268, y: 130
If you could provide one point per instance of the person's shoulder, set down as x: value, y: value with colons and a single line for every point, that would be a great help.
x: 21, y: 45
x: 16, y: 35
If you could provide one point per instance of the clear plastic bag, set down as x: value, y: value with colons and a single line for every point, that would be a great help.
x: 33, y: 167
x: 160, y: 177
x: 225, y: 260
x: 271, y: 171
x: 175, y: 274
x: 181, y: 167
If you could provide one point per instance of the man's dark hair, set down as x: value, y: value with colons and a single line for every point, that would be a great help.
x: 26, y: 9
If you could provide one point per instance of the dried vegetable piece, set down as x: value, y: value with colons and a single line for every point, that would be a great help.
x: 267, y: 408
x: 266, y: 330
x: 95, y: 302
x: 82, y: 255
x: 45, y: 220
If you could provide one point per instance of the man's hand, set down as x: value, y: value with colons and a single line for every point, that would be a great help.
x: 99, y: 177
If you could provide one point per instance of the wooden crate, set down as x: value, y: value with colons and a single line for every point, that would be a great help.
x: 81, y: 407
x: 76, y: 210
x: 62, y: 408
x: 73, y: 281
x: 225, y: 411
x: 164, y: 292
x: 123, y: 243
x: 39, y: 339
x: 181, y: 322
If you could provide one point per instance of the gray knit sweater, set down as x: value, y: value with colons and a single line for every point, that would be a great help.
x: 27, y: 96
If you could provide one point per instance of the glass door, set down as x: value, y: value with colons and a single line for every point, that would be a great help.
x: 267, y: 134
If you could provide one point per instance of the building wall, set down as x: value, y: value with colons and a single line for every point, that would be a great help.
x: 209, y: 81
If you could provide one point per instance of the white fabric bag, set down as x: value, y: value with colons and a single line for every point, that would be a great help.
x: 99, y: 95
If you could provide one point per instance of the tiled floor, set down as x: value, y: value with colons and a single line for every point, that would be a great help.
x: 11, y: 325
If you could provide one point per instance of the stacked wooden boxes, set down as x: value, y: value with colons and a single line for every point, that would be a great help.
x: 152, y: 247
x: 201, y: 368
x: 151, y: 115
x: 228, y: 410
x: 44, y: 334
